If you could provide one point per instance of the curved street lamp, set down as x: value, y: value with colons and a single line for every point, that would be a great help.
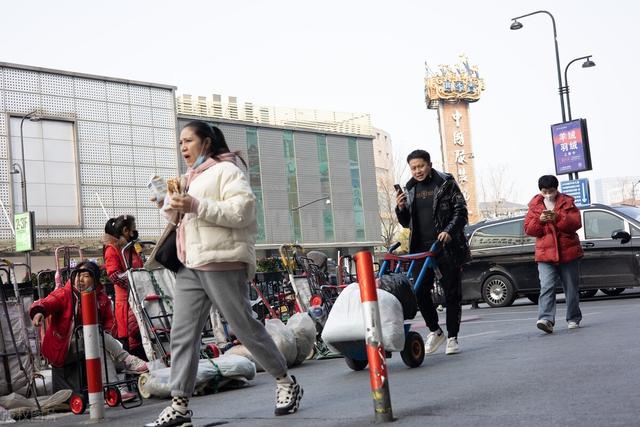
x: 328, y: 202
x: 586, y: 64
x: 516, y: 25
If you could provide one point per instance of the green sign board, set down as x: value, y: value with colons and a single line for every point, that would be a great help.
x: 25, y: 231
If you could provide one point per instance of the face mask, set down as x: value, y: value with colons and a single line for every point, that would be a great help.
x: 200, y: 160
x: 550, y: 197
x: 134, y: 236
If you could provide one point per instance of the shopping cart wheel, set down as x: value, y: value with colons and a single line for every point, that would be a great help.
x: 112, y: 396
x: 413, y: 352
x: 356, y: 365
x: 77, y: 403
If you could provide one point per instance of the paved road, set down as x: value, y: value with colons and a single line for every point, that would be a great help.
x: 508, y: 374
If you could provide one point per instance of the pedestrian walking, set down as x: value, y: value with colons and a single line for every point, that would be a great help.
x: 119, y: 232
x: 553, y: 220
x: 434, y: 208
x: 215, y: 241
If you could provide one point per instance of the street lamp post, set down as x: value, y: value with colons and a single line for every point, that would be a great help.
x: 586, y: 64
x: 25, y: 206
x: 565, y: 89
x: 516, y: 25
x: 297, y: 208
x: 328, y: 202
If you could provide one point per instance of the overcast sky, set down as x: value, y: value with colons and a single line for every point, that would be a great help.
x: 367, y: 56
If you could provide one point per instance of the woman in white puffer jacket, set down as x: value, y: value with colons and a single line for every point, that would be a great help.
x: 216, y: 245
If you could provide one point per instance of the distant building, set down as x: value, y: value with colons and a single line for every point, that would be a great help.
x: 385, y: 179
x: 298, y: 159
x: 615, y: 190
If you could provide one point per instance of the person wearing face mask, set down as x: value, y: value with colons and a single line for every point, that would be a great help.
x: 553, y: 220
x: 434, y: 208
x: 215, y: 242
x: 63, y: 307
x: 119, y: 232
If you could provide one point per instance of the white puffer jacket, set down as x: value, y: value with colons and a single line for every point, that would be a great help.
x: 224, y: 229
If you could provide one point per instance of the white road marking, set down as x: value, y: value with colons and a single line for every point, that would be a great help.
x: 477, y: 335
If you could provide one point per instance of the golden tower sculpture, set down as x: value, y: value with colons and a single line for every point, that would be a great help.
x: 450, y: 90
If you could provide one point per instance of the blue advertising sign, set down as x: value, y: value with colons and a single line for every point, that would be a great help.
x: 578, y: 189
x: 571, y: 147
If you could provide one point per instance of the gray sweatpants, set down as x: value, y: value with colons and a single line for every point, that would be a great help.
x: 228, y: 291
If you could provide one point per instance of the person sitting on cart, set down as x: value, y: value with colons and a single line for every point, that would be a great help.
x: 119, y: 232
x: 434, y: 208
x: 60, y: 305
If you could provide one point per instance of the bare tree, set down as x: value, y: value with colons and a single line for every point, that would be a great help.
x: 387, y: 201
x: 497, y: 186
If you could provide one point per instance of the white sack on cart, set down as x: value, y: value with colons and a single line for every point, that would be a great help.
x: 284, y: 338
x: 345, y: 322
x: 224, y: 369
x: 304, y: 331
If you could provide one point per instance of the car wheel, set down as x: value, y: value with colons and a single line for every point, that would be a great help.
x: 612, y: 291
x: 533, y: 298
x: 498, y: 291
x: 588, y: 293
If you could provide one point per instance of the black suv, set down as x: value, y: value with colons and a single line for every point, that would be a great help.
x: 503, y: 266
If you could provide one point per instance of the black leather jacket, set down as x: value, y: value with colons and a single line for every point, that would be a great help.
x: 449, y: 213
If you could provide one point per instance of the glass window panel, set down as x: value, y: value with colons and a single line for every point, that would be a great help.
x: 498, y: 235
x: 600, y: 225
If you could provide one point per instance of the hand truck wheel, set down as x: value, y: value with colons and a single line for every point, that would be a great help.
x: 413, y: 353
x: 112, y: 396
x: 78, y: 403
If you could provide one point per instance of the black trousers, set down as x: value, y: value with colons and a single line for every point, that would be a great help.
x: 451, y: 283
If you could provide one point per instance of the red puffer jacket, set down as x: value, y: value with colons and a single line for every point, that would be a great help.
x: 115, y: 267
x: 59, y: 305
x: 556, y: 242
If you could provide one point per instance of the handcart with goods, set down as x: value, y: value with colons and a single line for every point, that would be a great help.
x: 314, y: 294
x: 112, y: 389
x: 18, y: 340
x: 151, y: 293
x: 349, y: 340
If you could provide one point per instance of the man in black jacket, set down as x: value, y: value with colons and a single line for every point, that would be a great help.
x: 434, y: 208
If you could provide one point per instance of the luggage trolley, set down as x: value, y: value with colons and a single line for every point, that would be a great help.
x: 413, y: 352
x: 151, y: 300
x: 16, y: 343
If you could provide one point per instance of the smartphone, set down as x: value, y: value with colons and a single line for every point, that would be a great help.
x: 397, y: 188
x: 547, y: 212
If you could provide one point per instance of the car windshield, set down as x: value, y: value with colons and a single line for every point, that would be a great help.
x: 630, y: 211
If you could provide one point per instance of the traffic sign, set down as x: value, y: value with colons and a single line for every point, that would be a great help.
x: 25, y: 231
x: 578, y: 189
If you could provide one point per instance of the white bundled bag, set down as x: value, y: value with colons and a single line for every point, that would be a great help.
x: 284, y: 338
x: 304, y: 330
x: 345, y: 322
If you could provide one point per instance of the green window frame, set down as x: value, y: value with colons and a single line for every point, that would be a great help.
x: 292, y: 183
x: 255, y: 179
x: 325, y: 186
x: 356, y: 188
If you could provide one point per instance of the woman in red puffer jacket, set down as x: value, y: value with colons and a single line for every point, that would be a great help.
x: 118, y: 232
x: 553, y: 220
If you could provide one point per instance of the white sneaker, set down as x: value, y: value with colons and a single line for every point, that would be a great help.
x: 433, y: 342
x: 452, y: 346
x: 545, y: 325
x: 135, y: 365
x: 169, y: 417
x: 288, y: 397
x: 572, y: 324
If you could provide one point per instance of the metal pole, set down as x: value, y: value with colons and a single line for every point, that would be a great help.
x: 373, y: 336
x: 92, y: 353
x: 25, y: 206
x: 555, y: 42
x: 566, y: 82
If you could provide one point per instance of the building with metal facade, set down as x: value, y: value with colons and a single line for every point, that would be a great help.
x: 291, y: 167
x: 96, y: 143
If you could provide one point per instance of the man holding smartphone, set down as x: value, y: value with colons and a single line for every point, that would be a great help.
x: 553, y: 220
x: 434, y: 208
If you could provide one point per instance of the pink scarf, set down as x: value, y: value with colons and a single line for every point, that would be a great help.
x: 191, y: 176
